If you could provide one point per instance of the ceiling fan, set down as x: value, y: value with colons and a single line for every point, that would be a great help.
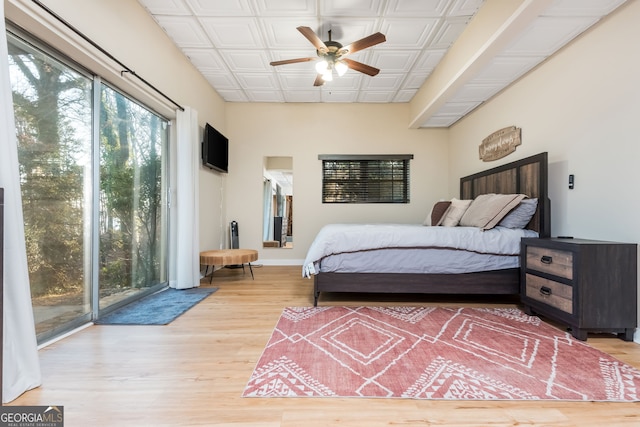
x: 332, y: 55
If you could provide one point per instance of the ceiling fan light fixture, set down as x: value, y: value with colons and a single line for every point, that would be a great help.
x: 322, y: 66
x: 341, y: 68
x: 327, y: 75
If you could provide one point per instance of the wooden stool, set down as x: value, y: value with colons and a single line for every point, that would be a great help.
x: 224, y: 257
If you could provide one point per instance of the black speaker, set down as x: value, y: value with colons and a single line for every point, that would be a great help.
x: 234, y: 241
x: 234, y: 238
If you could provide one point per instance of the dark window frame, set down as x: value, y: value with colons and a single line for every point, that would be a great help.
x: 372, y: 178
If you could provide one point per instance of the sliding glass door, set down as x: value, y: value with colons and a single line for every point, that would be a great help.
x: 132, y: 226
x: 93, y: 165
x: 53, y: 114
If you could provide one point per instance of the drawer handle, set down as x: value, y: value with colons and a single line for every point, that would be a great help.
x: 546, y: 259
x: 545, y: 291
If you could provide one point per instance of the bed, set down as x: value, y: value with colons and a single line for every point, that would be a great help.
x: 526, y: 176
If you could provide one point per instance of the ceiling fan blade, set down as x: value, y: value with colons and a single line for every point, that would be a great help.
x: 359, y: 66
x: 292, y: 61
x: 364, y: 43
x: 319, y: 80
x: 313, y: 38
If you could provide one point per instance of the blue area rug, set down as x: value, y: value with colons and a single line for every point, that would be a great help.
x: 160, y: 308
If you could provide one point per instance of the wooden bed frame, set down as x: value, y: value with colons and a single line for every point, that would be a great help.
x: 527, y: 176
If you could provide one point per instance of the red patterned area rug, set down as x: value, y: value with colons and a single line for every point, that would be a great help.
x: 433, y: 353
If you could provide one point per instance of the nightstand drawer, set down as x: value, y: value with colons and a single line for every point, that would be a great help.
x: 552, y: 293
x: 552, y: 261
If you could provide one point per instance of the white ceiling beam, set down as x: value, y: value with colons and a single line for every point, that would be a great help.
x: 490, y: 31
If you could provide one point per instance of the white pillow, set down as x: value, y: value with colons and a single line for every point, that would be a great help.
x: 487, y: 210
x: 455, y: 212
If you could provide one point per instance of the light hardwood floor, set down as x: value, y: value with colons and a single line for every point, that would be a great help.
x: 193, y: 371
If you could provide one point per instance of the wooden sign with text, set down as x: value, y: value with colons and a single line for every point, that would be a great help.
x: 500, y: 143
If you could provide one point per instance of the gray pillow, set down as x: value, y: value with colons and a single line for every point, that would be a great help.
x: 520, y: 216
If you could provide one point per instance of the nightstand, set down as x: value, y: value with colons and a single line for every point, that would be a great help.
x: 589, y: 285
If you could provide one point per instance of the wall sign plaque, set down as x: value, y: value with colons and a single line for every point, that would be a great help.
x: 500, y: 143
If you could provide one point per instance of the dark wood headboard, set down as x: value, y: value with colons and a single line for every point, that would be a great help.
x: 525, y: 176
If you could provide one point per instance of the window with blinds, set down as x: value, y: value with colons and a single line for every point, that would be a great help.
x: 365, y: 178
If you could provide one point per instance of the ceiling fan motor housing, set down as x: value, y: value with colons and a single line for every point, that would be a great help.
x: 333, y: 49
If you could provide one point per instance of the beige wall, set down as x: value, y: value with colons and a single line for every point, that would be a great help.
x: 583, y: 107
x: 306, y: 130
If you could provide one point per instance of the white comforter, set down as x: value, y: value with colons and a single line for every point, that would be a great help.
x: 343, y: 238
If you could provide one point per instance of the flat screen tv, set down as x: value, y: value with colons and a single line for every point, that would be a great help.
x: 215, y: 150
